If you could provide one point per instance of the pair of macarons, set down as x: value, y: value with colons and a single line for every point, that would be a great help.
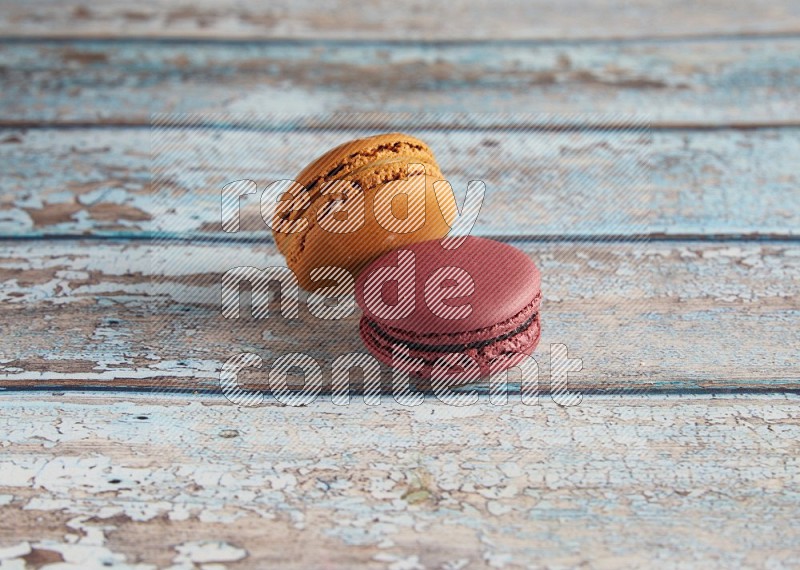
x: 442, y: 309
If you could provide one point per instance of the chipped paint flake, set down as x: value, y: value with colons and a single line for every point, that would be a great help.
x: 207, y: 551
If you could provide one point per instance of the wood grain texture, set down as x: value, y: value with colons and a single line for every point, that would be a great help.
x: 656, y: 317
x: 143, y: 482
x: 690, y: 183
x: 397, y: 20
x: 653, y: 468
x: 673, y: 83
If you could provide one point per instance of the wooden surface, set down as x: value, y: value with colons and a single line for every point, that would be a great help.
x: 669, y: 257
x: 640, y: 315
x: 711, y: 81
x: 678, y: 183
x: 690, y: 481
x: 390, y: 19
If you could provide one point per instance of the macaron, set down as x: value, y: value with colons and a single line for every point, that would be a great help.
x: 451, y: 314
x: 358, y: 201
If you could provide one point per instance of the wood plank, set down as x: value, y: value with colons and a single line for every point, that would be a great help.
x: 98, y: 181
x: 147, y: 481
x: 396, y: 20
x: 713, y: 82
x: 657, y: 317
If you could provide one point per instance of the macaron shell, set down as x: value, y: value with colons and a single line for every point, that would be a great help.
x: 353, y: 251
x: 505, y: 281
x: 347, y: 161
x: 355, y: 154
x: 371, y: 164
x: 369, y: 179
x: 484, y: 334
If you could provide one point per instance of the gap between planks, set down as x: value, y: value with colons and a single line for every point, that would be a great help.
x: 542, y: 127
x: 288, y: 41
x: 262, y: 238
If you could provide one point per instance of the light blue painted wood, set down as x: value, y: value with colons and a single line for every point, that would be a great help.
x: 151, y: 478
x: 659, y: 317
x: 706, y: 82
x: 398, y: 20
x: 543, y: 184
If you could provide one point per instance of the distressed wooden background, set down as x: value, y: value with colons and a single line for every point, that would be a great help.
x: 117, y: 452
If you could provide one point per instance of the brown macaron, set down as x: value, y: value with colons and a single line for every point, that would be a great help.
x: 359, y: 201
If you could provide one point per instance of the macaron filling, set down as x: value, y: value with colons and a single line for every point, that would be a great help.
x: 460, y: 347
x: 515, y: 337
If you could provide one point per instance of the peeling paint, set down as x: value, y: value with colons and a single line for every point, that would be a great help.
x: 204, y: 552
x: 122, y: 327
x: 372, y: 482
x: 701, y: 182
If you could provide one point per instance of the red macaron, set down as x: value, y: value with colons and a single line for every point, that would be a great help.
x: 456, y: 314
